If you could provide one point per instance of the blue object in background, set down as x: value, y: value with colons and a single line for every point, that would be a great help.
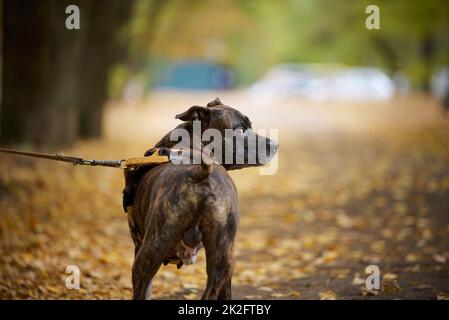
x: 196, y: 75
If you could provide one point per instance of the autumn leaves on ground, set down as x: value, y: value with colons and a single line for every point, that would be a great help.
x: 358, y: 184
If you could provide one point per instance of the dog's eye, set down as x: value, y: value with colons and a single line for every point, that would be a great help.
x: 239, y: 131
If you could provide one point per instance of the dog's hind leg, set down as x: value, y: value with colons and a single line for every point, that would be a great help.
x: 225, y: 292
x: 219, y: 262
x: 149, y: 290
x: 147, y: 262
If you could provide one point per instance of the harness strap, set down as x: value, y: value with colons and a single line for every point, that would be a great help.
x: 134, y: 168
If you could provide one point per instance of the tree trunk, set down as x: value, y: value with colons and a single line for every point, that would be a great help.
x: 39, y: 73
x: 427, y: 55
x: 103, y: 48
x: 54, y: 79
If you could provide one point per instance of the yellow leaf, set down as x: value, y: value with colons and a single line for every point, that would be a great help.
x: 284, y: 295
x: 439, y: 258
x: 327, y: 295
x: 358, y: 280
x: 443, y: 296
x: 390, y: 276
x: 190, y: 296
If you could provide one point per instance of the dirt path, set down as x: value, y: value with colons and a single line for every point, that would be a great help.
x: 356, y: 186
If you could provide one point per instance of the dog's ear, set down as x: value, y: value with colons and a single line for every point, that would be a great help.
x: 194, y: 113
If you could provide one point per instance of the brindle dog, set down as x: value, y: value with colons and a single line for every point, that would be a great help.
x: 180, y: 208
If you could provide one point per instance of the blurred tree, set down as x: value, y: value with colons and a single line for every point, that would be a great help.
x: 54, y: 79
x: 105, y: 44
x: 141, y: 29
x: 39, y: 74
x: 413, y: 36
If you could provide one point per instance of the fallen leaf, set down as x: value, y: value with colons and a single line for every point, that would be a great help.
x: 284, y: 295
x: 253, y: 297
x: 357, y: 281
x: 439, y: 258
x: 369, y: 292
x: 390, y: 276
x: 411, y: 257
x: 189, y: 286
x: 265, y: 288
x: 443, y: 296
x: 391, y: 286
x: 345, y: 221
x: 423, y: 287
x: 190, y: 296
x: 327, y: 295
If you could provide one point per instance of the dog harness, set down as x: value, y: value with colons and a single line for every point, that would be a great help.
x: 133, y: 174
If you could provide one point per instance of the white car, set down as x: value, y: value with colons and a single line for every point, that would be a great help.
x: 323, y: 83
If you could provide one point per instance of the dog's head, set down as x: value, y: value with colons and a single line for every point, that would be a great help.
x: 240, y: 146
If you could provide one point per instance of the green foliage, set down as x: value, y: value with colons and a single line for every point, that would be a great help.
x: 255, y: 34
x: 118, y: 77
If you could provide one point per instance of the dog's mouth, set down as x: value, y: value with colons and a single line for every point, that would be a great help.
x: 254, y: 156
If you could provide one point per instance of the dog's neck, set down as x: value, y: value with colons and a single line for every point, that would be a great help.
x: 167, y: 142
x: 194, y: 144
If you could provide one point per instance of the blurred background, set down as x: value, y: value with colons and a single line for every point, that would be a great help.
x: 363, y: 124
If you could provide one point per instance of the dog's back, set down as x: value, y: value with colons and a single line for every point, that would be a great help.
x: 185, y: 193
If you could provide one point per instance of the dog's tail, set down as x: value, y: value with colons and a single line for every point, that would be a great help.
x: 202, y: 171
